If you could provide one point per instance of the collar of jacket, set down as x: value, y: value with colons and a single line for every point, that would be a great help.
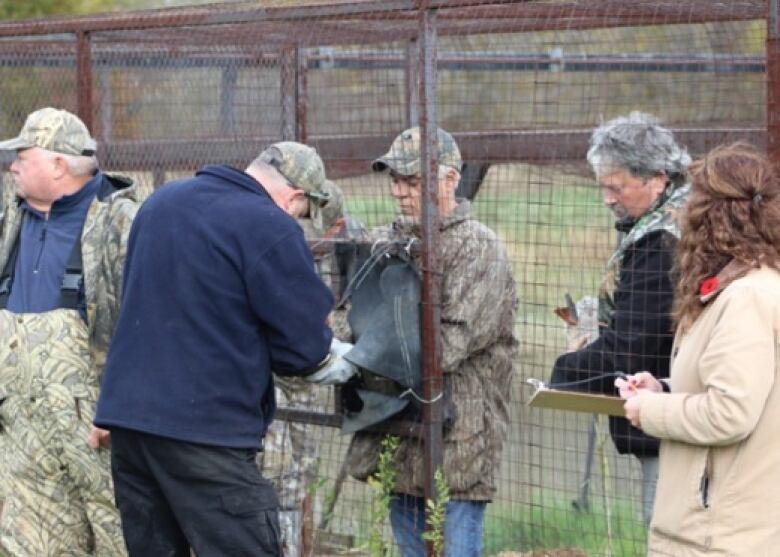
x: 109, y: 185
x: 234, y: 176
x: 411, y: 226
x: 732, y: 271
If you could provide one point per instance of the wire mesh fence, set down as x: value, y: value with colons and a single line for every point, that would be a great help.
x: 520, y: 86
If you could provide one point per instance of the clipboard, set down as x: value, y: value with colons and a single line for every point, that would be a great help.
x: 554, y: 399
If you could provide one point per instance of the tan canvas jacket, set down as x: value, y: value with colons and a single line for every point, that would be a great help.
x: 719, y: 483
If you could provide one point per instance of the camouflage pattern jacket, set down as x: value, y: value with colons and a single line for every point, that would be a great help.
x: 478, y: 348
x: 103, y: 248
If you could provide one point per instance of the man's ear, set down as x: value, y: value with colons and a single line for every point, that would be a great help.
x: 60, y: 166
x: 295, y: 203
x: 452, y: 178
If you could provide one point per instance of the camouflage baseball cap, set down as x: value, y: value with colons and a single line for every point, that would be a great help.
x: 54, y: 130
x: 404, y: 154
x: 299, y: 163
x: 324, y: 215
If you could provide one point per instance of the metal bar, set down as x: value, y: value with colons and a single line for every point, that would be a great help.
x: 25, y: 56
x: 198, y: 16
x: 642, y: 11
x: 431, y: 262
x: 350, y: 155
x: 106, y: 106
x: 227, y: 100
x: 289, y: 91
x: 773, y: 81
x: 84, y: 78
x: 158, y: 176
x: 411, y: 64
x: 402, y: 428
x: 302, y: 97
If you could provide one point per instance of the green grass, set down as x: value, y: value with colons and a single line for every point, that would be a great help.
x: 552, y: 523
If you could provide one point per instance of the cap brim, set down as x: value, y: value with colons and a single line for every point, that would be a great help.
x: 402, y: 167
x: 14, y: 144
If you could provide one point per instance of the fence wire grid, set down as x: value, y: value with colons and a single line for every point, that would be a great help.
x: 520, y: 85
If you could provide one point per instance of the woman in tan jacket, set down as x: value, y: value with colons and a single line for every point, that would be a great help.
x: 718, y: 416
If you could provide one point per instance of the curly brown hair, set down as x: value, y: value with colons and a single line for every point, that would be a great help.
x: 733, y: 213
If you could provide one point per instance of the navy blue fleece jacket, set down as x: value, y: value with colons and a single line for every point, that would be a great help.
x: 219, y: 290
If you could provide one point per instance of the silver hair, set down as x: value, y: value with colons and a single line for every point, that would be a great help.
x: 77, y: 165
x: 268, y: 169
x: 638, y: 144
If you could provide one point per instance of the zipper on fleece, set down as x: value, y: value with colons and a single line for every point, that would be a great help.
x: 42, y: 244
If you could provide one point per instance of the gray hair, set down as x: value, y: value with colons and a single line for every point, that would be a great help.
x: 77, y: 165
x: 638, y: 144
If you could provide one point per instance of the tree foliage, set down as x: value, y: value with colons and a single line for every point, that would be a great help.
x: 16, y: 9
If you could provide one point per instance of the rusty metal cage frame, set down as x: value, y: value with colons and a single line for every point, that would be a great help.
x: 162, y: 36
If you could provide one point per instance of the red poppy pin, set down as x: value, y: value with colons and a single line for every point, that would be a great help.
x: 708, y: 288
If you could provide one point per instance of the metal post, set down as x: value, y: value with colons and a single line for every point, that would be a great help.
x: 106, y: 132
x: 302, y: 94
x: 431, y: 258
x: 412, y: 82
x: 773, y: 81
x: 288, y: 69
x: 84, y: 78
x: 158, y: 176
x: 293, y: 66
x: 227, y: 100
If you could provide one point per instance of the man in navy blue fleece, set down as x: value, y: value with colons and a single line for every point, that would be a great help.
x: 220, y: 289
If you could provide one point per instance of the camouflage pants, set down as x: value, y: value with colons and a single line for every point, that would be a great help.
x: 59, y: 495
x: 289, y: 457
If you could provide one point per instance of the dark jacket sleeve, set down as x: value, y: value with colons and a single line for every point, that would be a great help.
x: 292, y: 305
x: 639, y: 336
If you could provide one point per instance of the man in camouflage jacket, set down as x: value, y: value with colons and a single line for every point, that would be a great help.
x: 478, y: 304
x: 56, y: 322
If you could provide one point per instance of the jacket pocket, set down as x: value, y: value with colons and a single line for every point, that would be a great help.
x: 253, y: 520
x: 705, y: 482
x: 684, y: 494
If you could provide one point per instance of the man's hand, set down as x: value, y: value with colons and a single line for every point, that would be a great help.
x: 99, y: 438
x: 338, y: 370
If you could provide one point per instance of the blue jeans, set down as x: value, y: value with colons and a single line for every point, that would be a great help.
x: 462, y: 526
x: 649, y: 483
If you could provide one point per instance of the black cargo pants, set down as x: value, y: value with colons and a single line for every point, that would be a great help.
x: 174, y: 496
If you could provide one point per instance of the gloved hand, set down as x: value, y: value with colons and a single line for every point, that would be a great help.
x: 338, y: 370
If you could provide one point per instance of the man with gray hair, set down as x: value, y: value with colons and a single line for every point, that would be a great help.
x: 642, y: 173
x: 63, y: 236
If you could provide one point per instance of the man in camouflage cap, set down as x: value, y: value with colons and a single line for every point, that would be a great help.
x: 642, y: 172
x: 478, y: 304
x: 63, y: 234
x: 289, y: 456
